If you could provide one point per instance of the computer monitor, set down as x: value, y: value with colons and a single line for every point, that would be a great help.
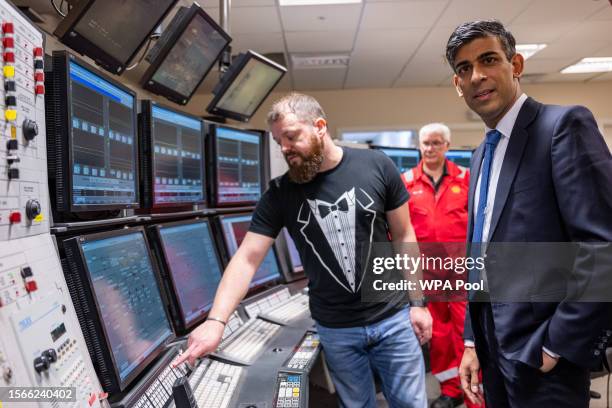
x: 111, y: 31
x: 234, y: 228
x: 236, y: 168
x: 184, y: 55
x: 91, y: 138
x: 460, y: 157
x: 245, y: 86
x: 190, y: 269
x: 114, y: 287
x: 171, y: 157
x: 404, y: 159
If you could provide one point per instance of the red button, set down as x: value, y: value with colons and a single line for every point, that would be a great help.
x: 39, y: 77
x: 40, y: 89
x: 15, y: 217
x: 9, y: 57
x: 31, y: 286
x: 8, y: 42
x: 7, y: 28
x: 38, y: 52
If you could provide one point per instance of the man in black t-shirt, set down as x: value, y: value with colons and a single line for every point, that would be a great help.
x: 335, y: 202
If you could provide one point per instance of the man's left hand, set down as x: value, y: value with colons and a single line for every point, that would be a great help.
x: 548, y: 363
x: 421, y: 323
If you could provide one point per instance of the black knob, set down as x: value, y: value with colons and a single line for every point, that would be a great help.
x: 32, y: 209
x: 41, y: 364
x: 30, y: 129
x: 51, y: 355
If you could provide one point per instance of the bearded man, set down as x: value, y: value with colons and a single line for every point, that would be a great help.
x: 334, y: 202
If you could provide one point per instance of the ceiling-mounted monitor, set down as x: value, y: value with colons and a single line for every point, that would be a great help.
x: 245, y: 86
x: 460, y: 157
x: 184, y: 55
x: 111, y: 31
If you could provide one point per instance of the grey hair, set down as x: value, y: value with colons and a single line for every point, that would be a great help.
x: 440, y: 128
x: 305, y: 107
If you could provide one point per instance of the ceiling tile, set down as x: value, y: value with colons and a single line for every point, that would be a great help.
x: 237, y: 3
x: 374, y: 69
x: 537, y: 33
x: 318, y: 79
x: 262, y: 43
x: 343, y: 17
x: 546, y: 65
x: 423, y: 74
x: 603, y: 52
x: 566, y: 77
x: 571, y: 48
x: 606, y: 76
x: 314, y: 42
x: 461, y: 11
x: 405, y: 40
x: 559, y: 11
x: 389, y: 16
x: 605, y: 13
x: 250, y: 20
x: 433, y: 48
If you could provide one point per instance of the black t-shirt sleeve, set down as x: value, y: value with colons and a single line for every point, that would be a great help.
x: 267, y: 218
x: 395, y: 190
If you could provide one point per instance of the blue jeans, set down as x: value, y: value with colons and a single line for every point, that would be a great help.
x: 389, y: 348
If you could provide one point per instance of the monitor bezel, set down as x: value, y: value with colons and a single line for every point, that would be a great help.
x: 66, y: 58
x: 66, y: 33
x: 227, y: 81
x: 167, y: 277
x: 85, y: 273
x: 211, y: 147
x: 224, y: 245
x: 157, y: 88
x: 147, y: 161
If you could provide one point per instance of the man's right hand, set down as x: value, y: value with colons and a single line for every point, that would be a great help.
x: 468, y: 372
x: 202, y: 341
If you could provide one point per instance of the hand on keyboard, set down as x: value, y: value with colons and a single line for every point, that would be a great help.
x: 202, y: 341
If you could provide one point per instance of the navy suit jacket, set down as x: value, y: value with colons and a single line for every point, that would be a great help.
x: 555, y: 185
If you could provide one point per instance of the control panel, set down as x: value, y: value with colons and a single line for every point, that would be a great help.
x: 305, y: 353
x: 291, y: 390
x: 24, y: 204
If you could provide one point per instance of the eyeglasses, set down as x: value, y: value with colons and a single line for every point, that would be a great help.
x: 434, y: 145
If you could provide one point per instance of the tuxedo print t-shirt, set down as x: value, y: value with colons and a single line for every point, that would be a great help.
x: 334, y: 219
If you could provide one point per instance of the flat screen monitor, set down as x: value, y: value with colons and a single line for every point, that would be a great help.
x: 404, y: 159
x: 111, y: 31
x: 234, y: 228
x: 91, y: 138
x: 460, y: 157
x: 172, y: 157
x: 245, y: 86
x: 294, y: 255
x: 184, y: 55
x: 237, y: 170
x: 114, y: 286
x: 190, y: 268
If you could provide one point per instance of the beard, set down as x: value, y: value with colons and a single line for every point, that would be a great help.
x: 310, y: 164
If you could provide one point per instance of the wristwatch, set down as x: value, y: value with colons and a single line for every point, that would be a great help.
x: 418, y: 303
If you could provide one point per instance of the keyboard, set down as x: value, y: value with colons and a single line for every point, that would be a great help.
x: 291, y: 309
x: 305, y: 354
x: 250, y: 340
x: 214, y: 383
x: 290, y: 390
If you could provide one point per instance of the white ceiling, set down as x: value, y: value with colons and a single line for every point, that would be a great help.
x: 400, y: 43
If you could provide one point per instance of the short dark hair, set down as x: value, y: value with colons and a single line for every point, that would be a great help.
x: 472, y: 30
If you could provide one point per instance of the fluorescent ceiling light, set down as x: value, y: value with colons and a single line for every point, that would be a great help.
x: 315, y: 2
x: 306, y: 61
x: 529, y: 50
x: 588, y: 65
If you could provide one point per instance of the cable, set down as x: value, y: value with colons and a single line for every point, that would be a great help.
x: 58, y: 10
x: 142, y: 57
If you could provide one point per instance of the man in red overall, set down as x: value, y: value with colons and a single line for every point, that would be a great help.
x: 438, y: 209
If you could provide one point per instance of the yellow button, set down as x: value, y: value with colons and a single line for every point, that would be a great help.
x: 9, y: 71
x: 296, y: 390
x: 38, y: 218
x: 13, y: 132
x: 10, y: 114
x: 296, y: 394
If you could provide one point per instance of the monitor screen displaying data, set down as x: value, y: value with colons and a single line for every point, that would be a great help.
x: 129, y: 303
x: 178, y: 161
x: 234, y: 230
x: 193, y: 266
x: 238, y: 166
x: 404, y: 159
x: 460, y: 157
x: 103, y: 140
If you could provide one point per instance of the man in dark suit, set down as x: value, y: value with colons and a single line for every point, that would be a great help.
x: 543, y: 174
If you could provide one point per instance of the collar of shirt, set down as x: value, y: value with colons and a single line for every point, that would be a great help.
x: 506, y: 124
x: 436, y: 185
